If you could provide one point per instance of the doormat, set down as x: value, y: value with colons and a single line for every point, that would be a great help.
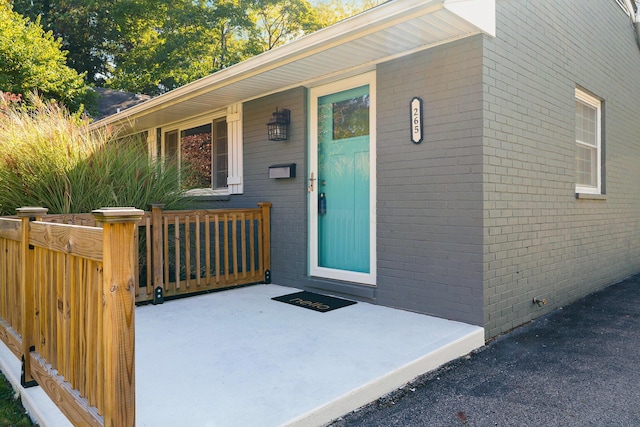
x: 313, y: 301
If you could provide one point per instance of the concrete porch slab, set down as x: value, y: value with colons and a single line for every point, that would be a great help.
x: 239, y: 358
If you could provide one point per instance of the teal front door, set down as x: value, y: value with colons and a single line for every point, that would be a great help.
x: 343, y: 180
x: 341, y: 185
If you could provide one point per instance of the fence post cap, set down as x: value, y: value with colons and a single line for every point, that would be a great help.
x: 118, y: 214
x: 31, y: 211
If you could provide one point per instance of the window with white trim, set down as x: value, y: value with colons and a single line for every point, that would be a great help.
x: 212, y: 149
x: 202, y: 150
x: 588, y: 143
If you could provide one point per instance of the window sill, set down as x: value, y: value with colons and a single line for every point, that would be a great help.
x: 207, y: 194
x: 590, y: 196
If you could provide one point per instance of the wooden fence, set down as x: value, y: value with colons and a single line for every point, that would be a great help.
x: 68, y: 311
x: 186, y: 252
x: 68, y: 286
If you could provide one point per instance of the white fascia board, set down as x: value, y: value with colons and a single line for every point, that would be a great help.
x: 480, y: 13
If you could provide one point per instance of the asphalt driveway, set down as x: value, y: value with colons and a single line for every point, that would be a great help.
x: 578, y: 366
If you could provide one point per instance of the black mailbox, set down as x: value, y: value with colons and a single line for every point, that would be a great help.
x: 287, y: 170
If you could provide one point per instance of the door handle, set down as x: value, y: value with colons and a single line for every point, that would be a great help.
x: 311, y: 179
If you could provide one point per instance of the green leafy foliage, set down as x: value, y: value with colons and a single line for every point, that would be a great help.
x: 153, y: 46
x: 48, y: 158
x: 277, y: 22
x: 32, y: 60
x: 332, y: 11
x: 85, y: 28
x: 179, y: 42
x: 11, y: 411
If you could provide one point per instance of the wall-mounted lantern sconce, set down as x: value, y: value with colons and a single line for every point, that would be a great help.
x: 278, y: 125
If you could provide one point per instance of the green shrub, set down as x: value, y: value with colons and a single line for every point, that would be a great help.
x: 49, y: 158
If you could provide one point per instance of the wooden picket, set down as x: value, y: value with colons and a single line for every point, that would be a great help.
x: 10, y: 265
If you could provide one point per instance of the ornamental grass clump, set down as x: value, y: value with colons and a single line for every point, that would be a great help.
x: 49, y: 158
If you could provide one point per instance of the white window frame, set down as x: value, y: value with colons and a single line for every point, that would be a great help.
x: 591, y: 101
x: 233, y: 115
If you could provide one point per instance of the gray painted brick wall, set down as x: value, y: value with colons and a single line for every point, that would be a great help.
x: 288, y: 213
x: 482, y: 216
x: 539, y: 239
x: 430, y: 203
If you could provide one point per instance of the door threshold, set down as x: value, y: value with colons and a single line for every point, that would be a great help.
x: 362, y: 291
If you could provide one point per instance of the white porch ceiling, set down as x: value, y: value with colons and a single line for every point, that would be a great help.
x: 390, y: 30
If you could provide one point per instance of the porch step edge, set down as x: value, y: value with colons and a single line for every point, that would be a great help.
x: 368, y: 393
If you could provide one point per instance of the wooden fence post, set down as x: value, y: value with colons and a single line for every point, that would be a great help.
x: 27, y: 292
x: 157, y: 253
x: 266, y: 239
x: 118, y: 300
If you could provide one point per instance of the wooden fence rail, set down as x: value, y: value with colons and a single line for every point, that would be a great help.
x: 68, y: 311
x: 68, y: 284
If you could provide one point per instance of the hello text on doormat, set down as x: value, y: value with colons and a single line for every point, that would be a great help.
x: 313, y: 301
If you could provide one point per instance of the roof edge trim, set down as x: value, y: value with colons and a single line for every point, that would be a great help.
x: 479, y: 13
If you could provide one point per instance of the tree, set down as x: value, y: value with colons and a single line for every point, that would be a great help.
x: 178, y: 42
x: 32, y: 61
x: 153, y: 46
x: 85, y: 27
x: 184, y: 40
x: 332, y: 11
x: 277, y: 22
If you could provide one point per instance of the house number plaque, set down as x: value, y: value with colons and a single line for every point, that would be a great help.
x: 416, y: 120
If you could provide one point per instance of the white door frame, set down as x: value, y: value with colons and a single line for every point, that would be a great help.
x: 315, y: 93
